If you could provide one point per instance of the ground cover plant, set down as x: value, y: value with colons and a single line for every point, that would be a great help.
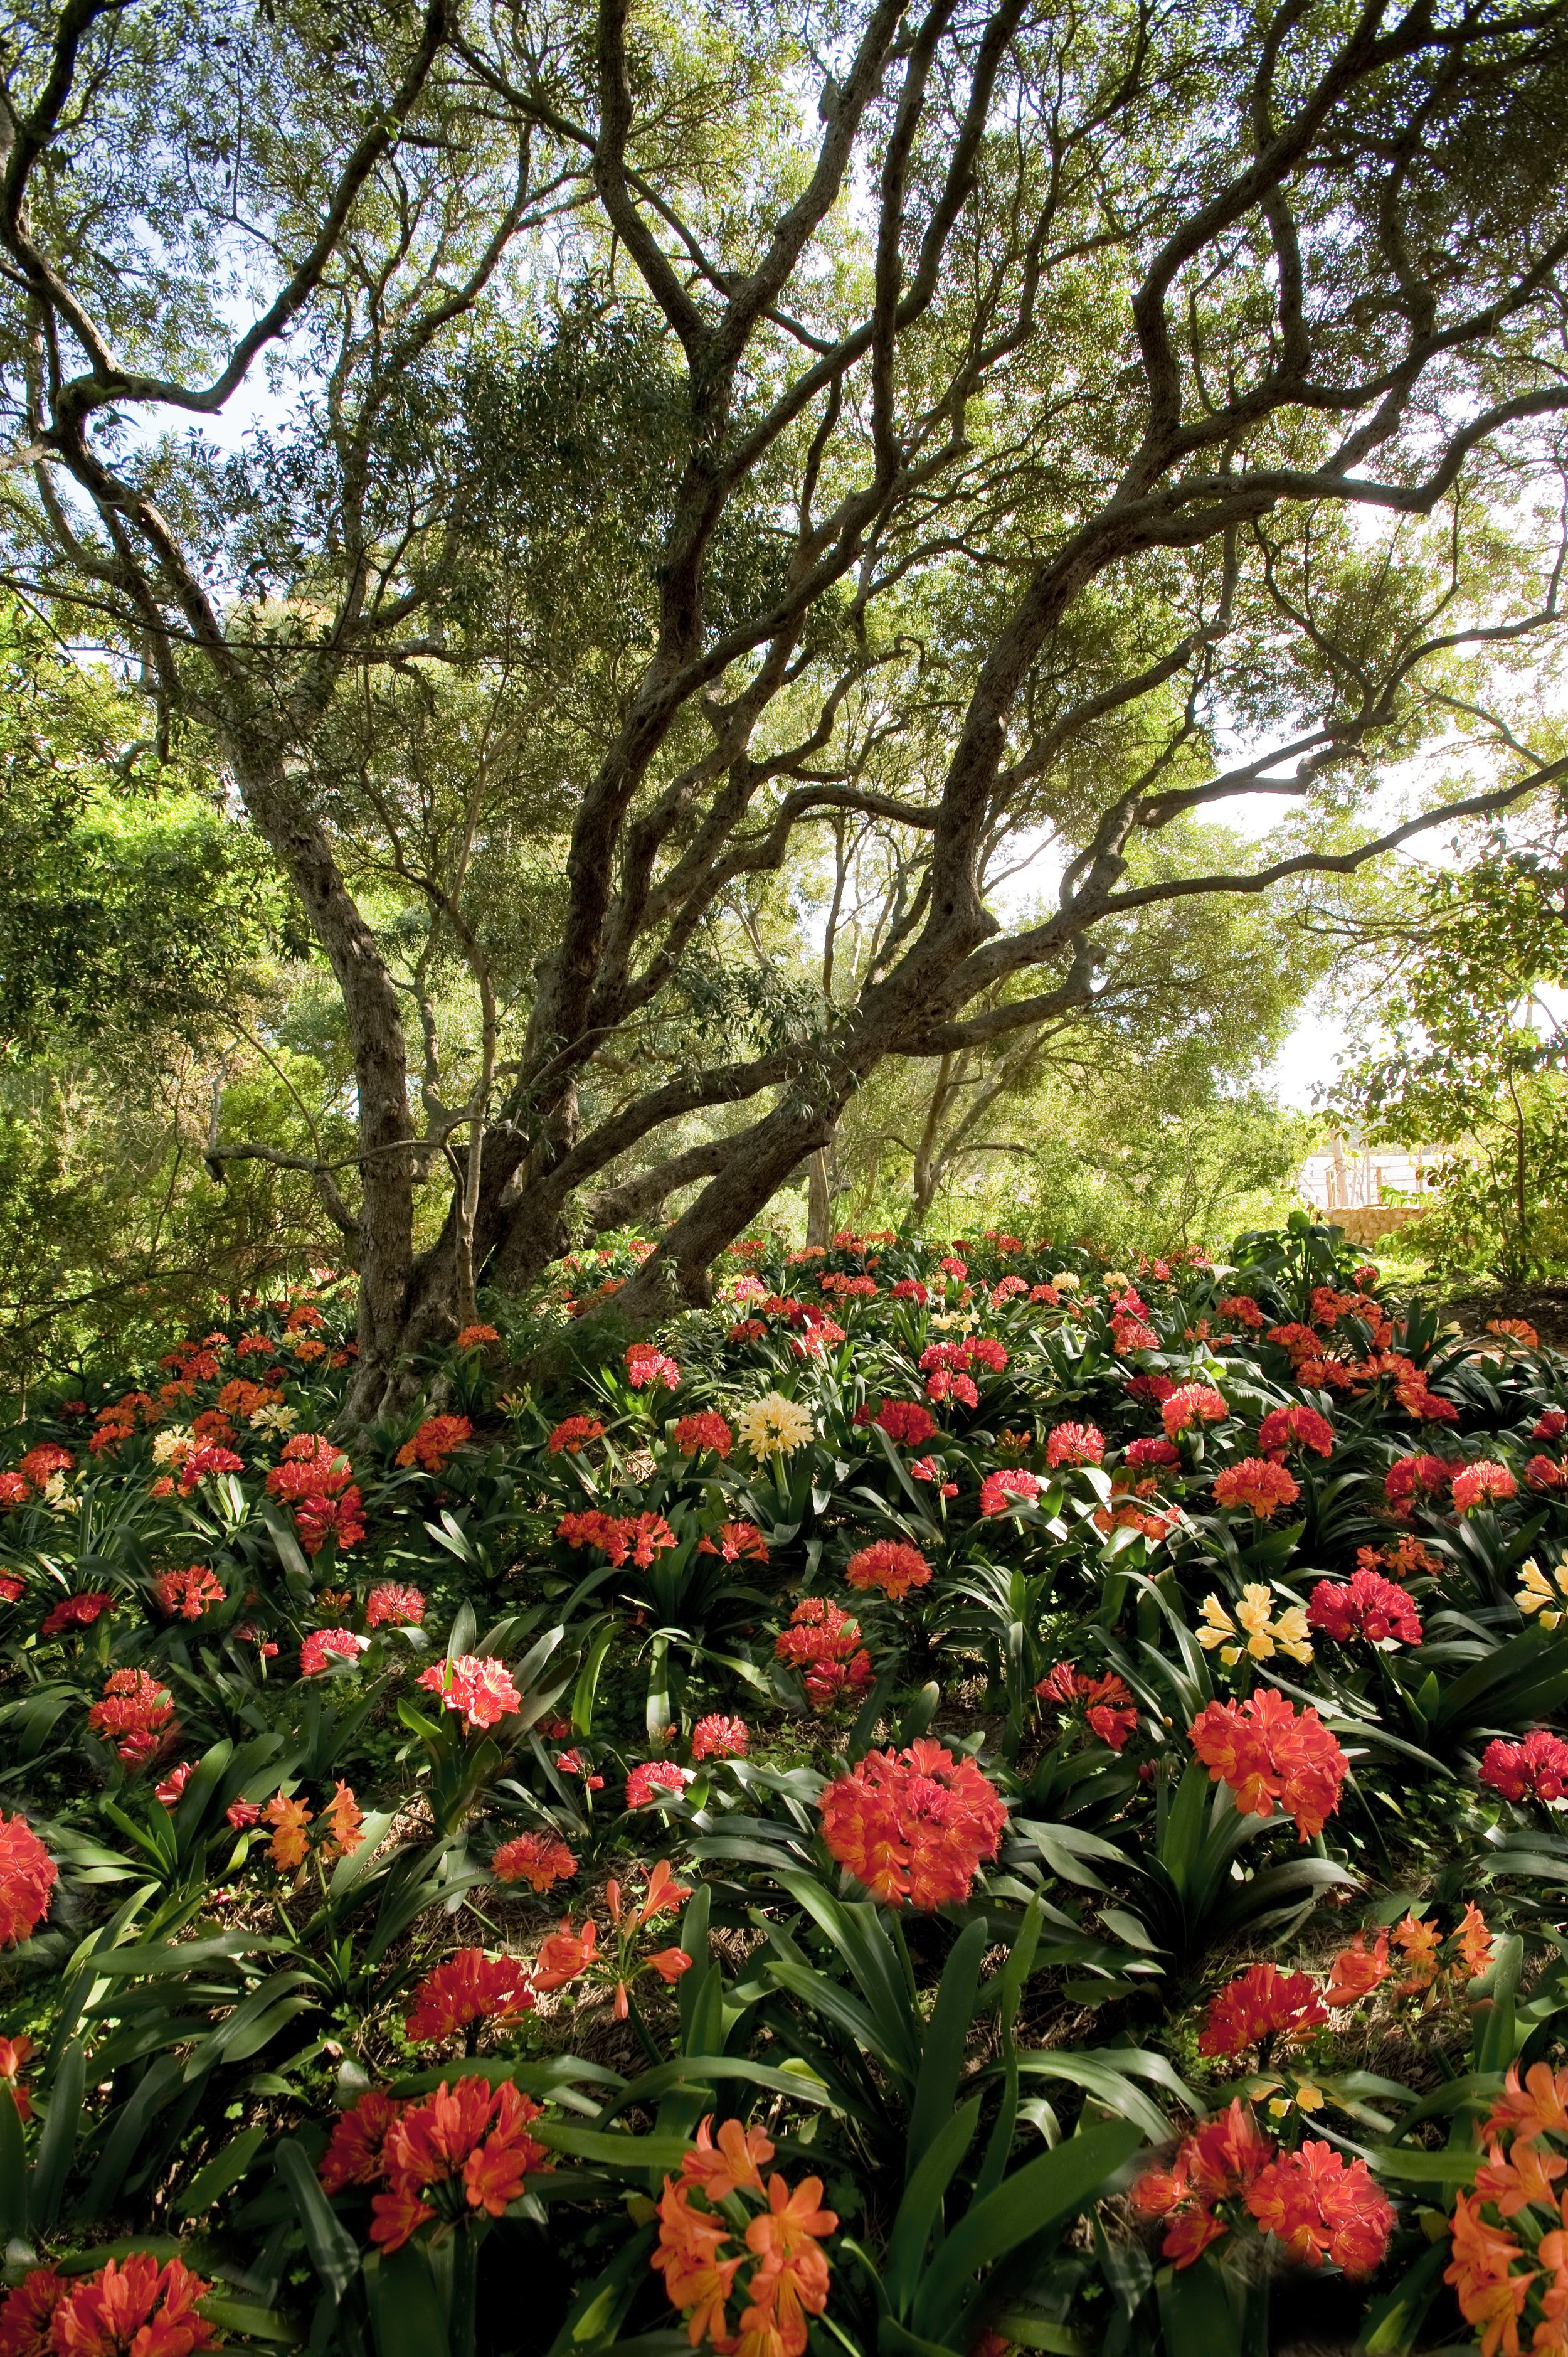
x: 960, y: 1797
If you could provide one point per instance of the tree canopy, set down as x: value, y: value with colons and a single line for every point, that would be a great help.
x: 568, y: 470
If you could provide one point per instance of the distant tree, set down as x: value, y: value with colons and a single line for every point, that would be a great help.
x: 1463, y: 1043
x: 973, y: 446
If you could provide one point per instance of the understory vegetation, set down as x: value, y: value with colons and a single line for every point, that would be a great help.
x: 960, y: 1797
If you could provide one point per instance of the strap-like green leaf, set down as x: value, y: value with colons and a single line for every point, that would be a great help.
x: 942, y: 2059
x: 334, y: 2253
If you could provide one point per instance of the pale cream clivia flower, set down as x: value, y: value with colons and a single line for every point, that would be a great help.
x: 273, y: 1419
x: 174, y: 1444
x: 58, y: 1497
x: 1065, y: 1282
x: 774, y: 1426
x: 1538, y: 1592
x: 1117, y: 1281
x: 948, y: 1318
x: 1254, y: 1630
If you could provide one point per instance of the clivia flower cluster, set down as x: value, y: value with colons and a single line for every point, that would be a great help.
x: 137, y: 2304
x: 700, y: 2258
x: 1105, y: 1703
x: 464, y: 2148
x: 1509, y: 2252
x: 1272, y: 1755
x: 823, y: 1643
x: 568, y: 1956
x: 634, y: 1538
x: 913, y: 1826
x: 1254, y: 1634
x: 316, y: 1481
x: 891, y: 1566
x: 1312, y: 2200
x: 27, y: 1876
x: 439, y: 1438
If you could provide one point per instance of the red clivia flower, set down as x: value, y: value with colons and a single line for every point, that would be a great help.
x: 1150, y: 1451
x: 1191, y: 1404
x: 1008, y: 1487
x: 1321, y: 2206
x: 28, y: 1877
x: 390, y: 1606
x: 353, y: 2154
x: 12, y: 1587
x: 134, y: 2307
x: 1105, y: 1702
x: 465, y: 2147
x: 474, y: 1338
x: 468, y: 1989
x: 909, y: 1288
x: 1357, y: 1971
x: 1545, y: 1475
x: 1257, y: 1483
x: 906, y: 1421
x: 478, y: 1686
x: 645, y: 1365
x: 635, y: 1537
x: 27, y: 2310
x: 1368, y: 1606
x: 735, y: 1541
x: 1221, y: 2163
x: 942, y: 1386
x: 565, y: 1955
x: 1270, y: 1754
x: 439, y: 1438
x: 539, y: 1860
x: 651, y: 1777
x: 1297, y: 1427
x: 15, y: 2055
x: 575, y: 1434
x: 186, y: 1595
x: 823, y: 1643
x: 888, y: 1564
x: 203, y: 1463
x: 1265, y: 2003
x: 42, y: 1462
x: 324, y: 1646
x: 914, y: 1825
x: 718, y: 1738
x: 79, y: 1611
x: 135, y: 1714
x: 1074, y: 1444
x: 1412, y: 1477
x: 1535, y: 1769
x: 1551, y: 1425
x: 1241, y: 1309
x: 1482, y: 1484
x: 173, y: 1785
x: 706, y: 1429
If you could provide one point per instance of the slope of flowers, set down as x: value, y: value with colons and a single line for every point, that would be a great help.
x: 1073, y: 1744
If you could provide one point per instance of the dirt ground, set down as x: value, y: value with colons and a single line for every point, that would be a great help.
x: 1544, y: 1306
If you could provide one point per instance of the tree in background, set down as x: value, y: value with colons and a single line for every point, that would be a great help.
x: 146, y: 943
x: 1467, y: 1046
x: 976, y: 454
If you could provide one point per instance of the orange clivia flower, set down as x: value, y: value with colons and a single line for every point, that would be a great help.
x: 467, y: 1989
x: 729, y: 2163
x: 290, y: 1846
x: 1269, y: 1752
x: 913, y: 1825
x: 1480, y: 2270
x: 343, y: 1817
x: 1356, y: 1970
x: 1263, y: 2003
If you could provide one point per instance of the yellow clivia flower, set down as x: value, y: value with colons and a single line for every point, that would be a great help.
x: 774, y: 1426
x: 1538, y: 1592
x: 1254, y: 1630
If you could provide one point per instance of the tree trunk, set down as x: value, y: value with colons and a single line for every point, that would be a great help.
x: 818, y: 1200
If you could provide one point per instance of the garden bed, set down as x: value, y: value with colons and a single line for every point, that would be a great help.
x: 962, y: 1798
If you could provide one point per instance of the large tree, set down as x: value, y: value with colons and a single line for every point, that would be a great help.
x: 979, y: 419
